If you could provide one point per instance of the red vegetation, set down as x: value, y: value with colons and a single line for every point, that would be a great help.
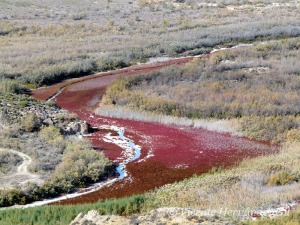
x: 48, y: 92
x: 178, y: 152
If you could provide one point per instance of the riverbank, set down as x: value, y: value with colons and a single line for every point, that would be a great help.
x: 170, y: 153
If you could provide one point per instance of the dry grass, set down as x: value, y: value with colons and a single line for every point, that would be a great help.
x: 292, y: 218
x: 43, y: 42
x: 243, y: 187
x: 225, y: 126
x: 258, y: 81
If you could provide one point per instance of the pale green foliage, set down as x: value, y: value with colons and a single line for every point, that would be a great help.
x: 275, y: 129
x: 30, y: 122
x: 52, y: 135
x: 11, y: 86
x: 80, y: 164
x: 8, y: 162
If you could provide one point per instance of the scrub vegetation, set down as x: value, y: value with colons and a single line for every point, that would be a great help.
x: 44, y: 43
x: 63, y: 164
x: 59, y: 159
x: 258, y: 85
x: 255, y: 183
x: 256, y: 88
x: 50, y: 215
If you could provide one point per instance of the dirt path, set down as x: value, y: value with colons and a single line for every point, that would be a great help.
x: 22, y: 175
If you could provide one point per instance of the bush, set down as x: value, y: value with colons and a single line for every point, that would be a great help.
x: 80, y: 165
x: 282, y: 177
x: 275, y: 129
x: 12, y: 86
x: 122, y: 206
x: 9, y: 197
x: 30, y: 122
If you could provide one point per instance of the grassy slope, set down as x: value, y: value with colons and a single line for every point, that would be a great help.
x: 45, y: 42
x: 255, y: 183
x: 258, y: 85
x: 250, y: 185
x: 292, y: 218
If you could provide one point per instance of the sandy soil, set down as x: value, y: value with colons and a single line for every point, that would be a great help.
x: 22, y: 175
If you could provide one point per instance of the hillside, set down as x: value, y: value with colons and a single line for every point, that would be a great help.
x: 149, y: 112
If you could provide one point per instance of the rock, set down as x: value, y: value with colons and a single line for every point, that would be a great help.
x: 48, y: 122
x: 77, y: 219
x: 93, y: 218
x: 72, y: 128
x: 167, y: 216
x: 76, y: 127
x: 84, y: 128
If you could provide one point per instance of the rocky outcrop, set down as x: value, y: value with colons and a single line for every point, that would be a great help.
x: 76, y: 127
x: 163, y: 216
x: 93, y: 218
x: 15, y: 107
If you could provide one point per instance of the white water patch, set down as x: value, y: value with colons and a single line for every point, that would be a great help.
x: 130, y: 152
x: 91, y: 189
x: 52, y: 98
x: 158, y: 59
x: 236, y: 46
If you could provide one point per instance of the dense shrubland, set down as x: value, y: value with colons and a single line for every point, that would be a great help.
x: 45, y: 43
x: 259, y: 84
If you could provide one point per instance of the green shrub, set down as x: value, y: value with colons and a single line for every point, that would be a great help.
x: 123, y: 206
x: 53, y: 215
x: 12, y: 86
x: 273, y: 129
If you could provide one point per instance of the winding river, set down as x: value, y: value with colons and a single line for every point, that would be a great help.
x: 148, y: 154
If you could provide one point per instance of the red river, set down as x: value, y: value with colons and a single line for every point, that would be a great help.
x: 168, y: 153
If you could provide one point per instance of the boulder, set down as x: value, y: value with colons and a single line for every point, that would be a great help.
x: 84, y: 128
x: 48, y: 122
x: 76, y: 127
x: 93, y: 218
